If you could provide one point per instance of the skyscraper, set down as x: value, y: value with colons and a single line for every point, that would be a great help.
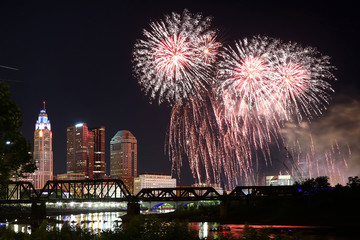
x: 77, y: 160
x: 43, y: 153
x: 123, y: 154
x: 97, y: 156
x: 86, y: 150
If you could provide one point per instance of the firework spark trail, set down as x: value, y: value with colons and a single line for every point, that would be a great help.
x: 174, y: 61
x: 194, y: 132
x: 316, y: 157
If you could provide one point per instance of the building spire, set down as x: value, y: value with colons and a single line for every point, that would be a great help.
x: 44, y: 105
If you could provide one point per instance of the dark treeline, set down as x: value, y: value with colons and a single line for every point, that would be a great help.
x: 317, y: 204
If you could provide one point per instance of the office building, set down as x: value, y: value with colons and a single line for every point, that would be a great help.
x: 70, y: 176
x: 127, y: 180
x: 216, y: 186
x: 123, y: 155
x: 86, y: 151
x: 97, y: 152
x: 43, y: 152
x: 77, y: 159
x: 153, y: 180
x: 279, y: 180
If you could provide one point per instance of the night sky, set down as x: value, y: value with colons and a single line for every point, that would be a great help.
x: 77, y: 57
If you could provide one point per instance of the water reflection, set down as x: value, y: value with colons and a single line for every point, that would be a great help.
x: 25, y: 228
x: 103, y: 221
x: 94, y: 222
x: 217, y: 231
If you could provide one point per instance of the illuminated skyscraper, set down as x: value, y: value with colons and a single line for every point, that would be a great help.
x: 43, y: 153
x: 123, y: 155
x: 77, y: 160
x: 97, y: 153
x: 86, y: 151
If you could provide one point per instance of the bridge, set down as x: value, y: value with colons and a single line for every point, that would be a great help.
x: 114, y: 190
x: 153, y: 197
x: 67, y: 191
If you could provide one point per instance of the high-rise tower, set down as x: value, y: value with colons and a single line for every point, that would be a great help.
x: 43, y: 153
x: 123, y: 155
x: 97, y: 156
x: 86, y: 150
x: 77, y: 159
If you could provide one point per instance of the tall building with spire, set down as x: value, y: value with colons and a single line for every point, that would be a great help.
x: 43, y: 152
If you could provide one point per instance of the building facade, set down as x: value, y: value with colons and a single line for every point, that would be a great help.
x: 97, y: 156
x: 123, y: 155
x: 216, y: 186
x: 153, y: 180
x: 279, y: 180
x: 43, y: 152
x: 70, y: 176
x: 86, y: 151
x: 77, y: 159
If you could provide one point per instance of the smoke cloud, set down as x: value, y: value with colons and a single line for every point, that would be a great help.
x: 328, y: 146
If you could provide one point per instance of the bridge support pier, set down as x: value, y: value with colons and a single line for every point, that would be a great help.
x: 38, y: 210
x: 224, y: 208
x: 133, y: 208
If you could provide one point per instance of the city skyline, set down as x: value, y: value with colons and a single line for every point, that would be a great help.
x: 67, y: 53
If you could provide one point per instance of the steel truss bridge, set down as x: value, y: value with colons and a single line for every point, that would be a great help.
x: 66, y: 191
x: 116, y: 190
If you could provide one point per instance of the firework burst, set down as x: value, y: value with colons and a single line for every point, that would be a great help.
x: 246, y: 97
x: 173, y: 61
x: 245, y: 75
x: 300, y: 81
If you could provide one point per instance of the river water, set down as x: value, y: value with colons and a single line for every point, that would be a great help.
x: 100, y: 221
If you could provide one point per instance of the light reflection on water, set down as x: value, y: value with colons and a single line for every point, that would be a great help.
x: 204, y: 230
x: 94, y: 222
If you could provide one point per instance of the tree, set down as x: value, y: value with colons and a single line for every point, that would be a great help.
x: 354, y: 182
x: 312, y: 184
x: 15, y: 159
